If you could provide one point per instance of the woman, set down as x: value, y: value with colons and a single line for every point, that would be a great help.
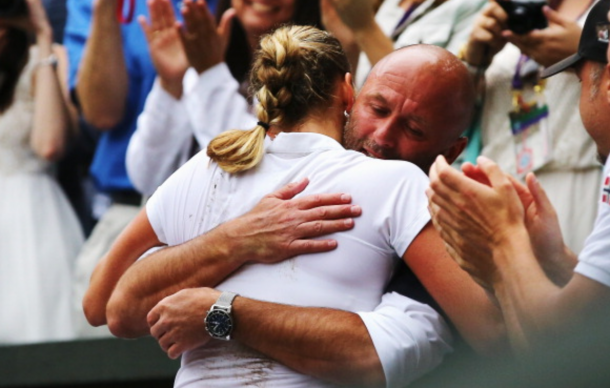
x: 186, y: 109
x: 302, y: 82
x: 40, y: 232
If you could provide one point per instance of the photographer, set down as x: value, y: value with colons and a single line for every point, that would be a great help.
x: 528, y: 124
x: 41, y: 232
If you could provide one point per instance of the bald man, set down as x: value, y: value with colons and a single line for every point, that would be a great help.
x: 396, y: 116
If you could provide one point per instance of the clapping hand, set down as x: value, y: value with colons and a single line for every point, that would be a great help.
x: 205, y: 43
x: 167, y: 53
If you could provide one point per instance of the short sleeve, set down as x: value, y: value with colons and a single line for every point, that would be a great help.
x: 409, y: 337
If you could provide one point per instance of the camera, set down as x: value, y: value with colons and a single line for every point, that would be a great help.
x: 523, y: 15
x: 13, y: 8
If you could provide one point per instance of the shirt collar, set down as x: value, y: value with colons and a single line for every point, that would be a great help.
x: 300, y: 143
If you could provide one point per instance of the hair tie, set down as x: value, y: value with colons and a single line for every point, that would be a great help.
x: 264, y: 125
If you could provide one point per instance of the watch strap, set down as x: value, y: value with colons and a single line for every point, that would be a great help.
x: 225, y: 299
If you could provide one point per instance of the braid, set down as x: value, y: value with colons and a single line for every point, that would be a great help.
x: 294, y: 72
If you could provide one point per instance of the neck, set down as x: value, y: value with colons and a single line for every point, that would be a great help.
x: 323, y: 125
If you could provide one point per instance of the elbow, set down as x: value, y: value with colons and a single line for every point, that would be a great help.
x: 117, y: 318
x: 102, y: 121
x: 94, y: 312
x: 51, y: 152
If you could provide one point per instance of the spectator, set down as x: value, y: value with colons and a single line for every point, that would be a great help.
x: 110, y: 75
x: 553, y: 143
x: 506, y: 235
x: 40, y: 233
x: 186, y: 109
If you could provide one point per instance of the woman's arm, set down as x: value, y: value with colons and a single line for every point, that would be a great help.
x: 137, y: 238
x: 54, y: 115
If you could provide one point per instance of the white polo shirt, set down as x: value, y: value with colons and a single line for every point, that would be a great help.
x: 200, y: 196
x: 594, y: 260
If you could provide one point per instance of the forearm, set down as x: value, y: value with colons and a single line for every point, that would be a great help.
x: 161, y: 142
x: 103, y: 80
x: 373, y: 42
x: 332, y: 345
x: 203, y: 262
x: 51, y: 122
x: 523, y: 290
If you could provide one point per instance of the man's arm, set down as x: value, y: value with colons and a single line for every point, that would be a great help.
x: 274, y: 230
x: 533, y: 306
x: 102, y: 79
x: 391, y: 346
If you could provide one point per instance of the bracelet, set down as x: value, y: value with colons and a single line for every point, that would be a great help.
x: 51, y: 60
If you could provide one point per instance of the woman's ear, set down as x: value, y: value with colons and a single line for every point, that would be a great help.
x: 348, y: 92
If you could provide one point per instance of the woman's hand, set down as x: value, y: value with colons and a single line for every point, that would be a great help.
x: 165, y: 47
x: 35, y: 21
x: 205, y: 44
x: 552, y: 44
x: 486, y: 38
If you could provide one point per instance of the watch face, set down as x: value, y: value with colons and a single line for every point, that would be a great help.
x: 218, y: 323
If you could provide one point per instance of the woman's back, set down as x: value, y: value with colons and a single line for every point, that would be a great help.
x: 352, y: 277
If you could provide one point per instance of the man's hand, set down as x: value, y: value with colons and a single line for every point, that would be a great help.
x: 552, y: 44
x: 474, y: 217
x: 282, y: 226
x: 486, y: 38
x: 166, y: 50
x: 177, y: 322
x: 205, y: 43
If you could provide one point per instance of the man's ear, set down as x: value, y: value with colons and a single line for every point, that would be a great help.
x: 452, y: 153
x: 348, y: 92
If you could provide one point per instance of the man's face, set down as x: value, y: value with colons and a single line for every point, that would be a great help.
x: 402, y: 116
x: 593, y: 104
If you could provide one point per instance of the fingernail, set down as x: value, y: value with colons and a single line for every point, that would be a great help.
x: 346, y: 197
x: 348, y: 222
x: 356, y: 210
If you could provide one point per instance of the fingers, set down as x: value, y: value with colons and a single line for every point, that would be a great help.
x: 492, y: 171
x: 539, y: 194
x: 302, y: 247
x: 322, y: 228
x: 522, y: 191
x: 146, y: 28
x: 290, y: 190
x: 554, y: 17
x: 224, y: 27
x: 319, y: 200
x: 474, y: 172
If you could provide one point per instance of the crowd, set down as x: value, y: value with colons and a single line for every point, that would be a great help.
x: 304, y: 193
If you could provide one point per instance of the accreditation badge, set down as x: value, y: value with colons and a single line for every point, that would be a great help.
x: 529, y: 118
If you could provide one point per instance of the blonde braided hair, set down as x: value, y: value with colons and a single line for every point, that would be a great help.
x: 294, y: 73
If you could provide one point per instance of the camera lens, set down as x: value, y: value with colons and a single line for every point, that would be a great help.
x: 521, y: 19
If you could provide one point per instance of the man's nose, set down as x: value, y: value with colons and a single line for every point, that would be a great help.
x: 385, y: 135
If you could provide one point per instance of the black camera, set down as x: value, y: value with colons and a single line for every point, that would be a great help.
x: 524, y: 16
x: 13, y: 8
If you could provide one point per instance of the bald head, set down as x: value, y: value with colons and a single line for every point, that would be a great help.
x: 445, y: 79
x: 414, y: 105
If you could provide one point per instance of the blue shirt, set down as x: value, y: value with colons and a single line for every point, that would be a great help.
x: 108, y: 167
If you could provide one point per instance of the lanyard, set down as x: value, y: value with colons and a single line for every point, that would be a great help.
x: 119, y: 11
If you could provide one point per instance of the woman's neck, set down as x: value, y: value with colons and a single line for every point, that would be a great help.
x: 323, y: 125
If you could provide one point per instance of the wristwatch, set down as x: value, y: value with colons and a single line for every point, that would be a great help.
x: 218, y: 320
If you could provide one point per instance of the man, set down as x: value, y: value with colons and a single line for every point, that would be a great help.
x: 394, y: 117
x: 507, y: 236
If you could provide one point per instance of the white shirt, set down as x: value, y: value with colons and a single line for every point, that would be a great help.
x: 200, y: 196
x: 210, y: 105
x: 594, y: 260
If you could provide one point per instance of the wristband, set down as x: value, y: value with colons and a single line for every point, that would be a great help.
x: 119, y: 11
x: 51, y: 60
